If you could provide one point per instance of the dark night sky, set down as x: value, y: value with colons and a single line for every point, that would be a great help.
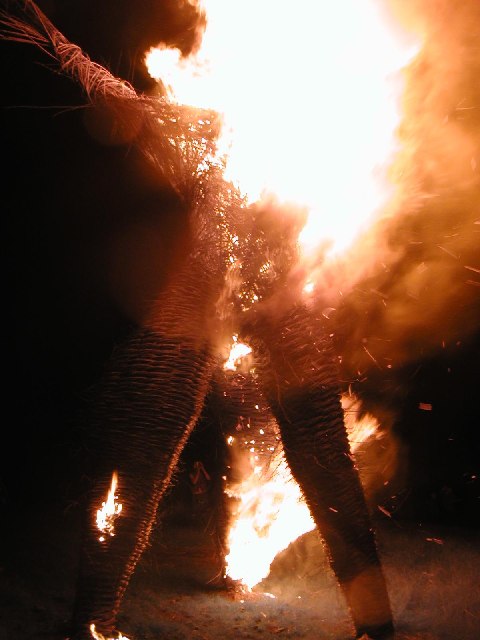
x: 83, y: 226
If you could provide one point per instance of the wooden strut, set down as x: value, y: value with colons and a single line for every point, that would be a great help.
x: 178, y: 140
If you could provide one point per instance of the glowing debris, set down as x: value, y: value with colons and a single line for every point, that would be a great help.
x: 383, y: 510
x: 425, y: 406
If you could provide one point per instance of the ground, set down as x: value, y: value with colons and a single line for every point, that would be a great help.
x: 432, y: 574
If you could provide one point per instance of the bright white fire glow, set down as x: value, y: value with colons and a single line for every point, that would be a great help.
x: 98, y: 636
x: 238, y: 350
x: 309, y: 94
x: 271, y: 512
x: 109, y: 511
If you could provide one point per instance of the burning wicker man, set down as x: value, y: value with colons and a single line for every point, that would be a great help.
x: 239, y: 276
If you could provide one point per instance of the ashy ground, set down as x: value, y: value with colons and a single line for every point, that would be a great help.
x: 433, y: 576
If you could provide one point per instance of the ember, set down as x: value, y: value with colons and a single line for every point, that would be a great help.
x: 270, y: 515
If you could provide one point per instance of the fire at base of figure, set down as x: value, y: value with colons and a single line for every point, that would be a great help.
x: 98, y: 636
x: 270, y: 510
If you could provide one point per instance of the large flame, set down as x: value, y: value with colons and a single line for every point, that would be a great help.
x: 309, y: 94
x: 271, y: 513
x: 238, y: 350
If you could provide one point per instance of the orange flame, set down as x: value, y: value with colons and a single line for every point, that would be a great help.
x: 359, y: 429
x: 98, y: 636
x: 263, y: 523
x: 238, y: 350
x: 109, y: 511
x: 310, y: 103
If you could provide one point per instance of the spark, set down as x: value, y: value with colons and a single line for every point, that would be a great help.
x: 371, y: 356
x: 449, y: 252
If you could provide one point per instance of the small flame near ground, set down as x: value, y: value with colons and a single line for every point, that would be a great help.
x: 311, y: 104
x: 271, y: 512
x: 110, y: 510
x: 98, y: 636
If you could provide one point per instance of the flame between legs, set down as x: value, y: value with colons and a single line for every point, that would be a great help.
x: 271, y: 512
x: 110, y: 510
